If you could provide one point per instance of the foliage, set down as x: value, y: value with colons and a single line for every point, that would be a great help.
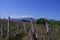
x: 41, y: 21
x: 41, y: 28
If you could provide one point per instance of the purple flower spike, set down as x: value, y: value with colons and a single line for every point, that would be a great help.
x: 9, y: 18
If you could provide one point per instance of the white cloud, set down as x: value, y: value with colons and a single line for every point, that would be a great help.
x: 15, y: 16
x: 20, y: 16
x: 26, y: 16
x: 42, y: 17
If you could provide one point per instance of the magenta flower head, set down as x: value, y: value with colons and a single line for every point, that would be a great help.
x: 17, y: 23
x: 30, y: 18
x: 9, y: 18
x: 46, y: 23
x: 1, y: 26
x: 47, y: 28
x: 30, y: 32
x: 15, y: 33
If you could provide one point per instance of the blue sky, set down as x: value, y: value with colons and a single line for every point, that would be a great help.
x: 49, y: 9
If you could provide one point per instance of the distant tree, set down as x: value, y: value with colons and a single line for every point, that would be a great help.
x: 25, y: 20
x: 58, y: 22
x: 41, y: 21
